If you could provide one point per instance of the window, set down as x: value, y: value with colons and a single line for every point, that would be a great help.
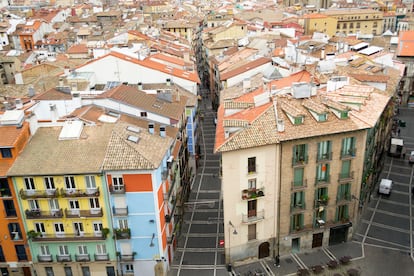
x: 86, y: 271
x: 351, y: 25
x: 322, y: 194
x: 78, y: 228
x: 4, y: 186
x: 63, y: 250
x: 298, y: 200
x: 300, y: 153
x: 251, y: 235
x: 90, y: 182
x: 14, y: 230
x: 342, y: 213
x: 324, y: 150
x: 298, y: 177
x: 6, y: 153
x: 348, y: 146
x: 9, y: 208
x: 54, y: 205
x: 21, y: 252
x: 82, y: 250
x: 298, y: 120
x: 118, y: 183
x: 345, y: 169
x: 33, y: 204
x: 94, y: 203
x: 251, y: 183
x: 70, y: 183
x: 49, y: 183
x: 97, y: 228
x: 358, y: 25
x: 322, y: 173
x: 344, y: 26
x: 29, y: 183
x: 44, y: 250
x: 40, y: 227
x: 251, y: 165
x: 101, y: 249
x: 344, y: 114
x: 296, y: 222
x: 143, y: 114
x: 2, y: 258
x: 123, y: 223
x: 68, y: 271
x: 59, y: 229
x: 129, y: 268
x: 251, y: 208
x: 49, y: 271
x: 74, y: 206
x: 344, y: 192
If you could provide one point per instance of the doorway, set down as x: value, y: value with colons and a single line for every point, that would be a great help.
x: 295, y: 245
x: 338, y: 234
x: 317, y: 240
x: 264, y: 250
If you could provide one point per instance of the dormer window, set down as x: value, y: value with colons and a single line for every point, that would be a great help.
x: 344, y: 114
x: 322, y: 117
x: 298, y: 120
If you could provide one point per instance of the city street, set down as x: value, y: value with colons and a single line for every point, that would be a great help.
x: 382, y: 243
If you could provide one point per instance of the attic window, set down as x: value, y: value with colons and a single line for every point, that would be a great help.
x: 344, y: 114
x: 110, y: 113
x: 133, y: 129
x: 322, y: 117
x: 298, y: 120
x: 133, y: 138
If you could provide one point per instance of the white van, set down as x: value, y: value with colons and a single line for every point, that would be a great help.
x: 385, y: 186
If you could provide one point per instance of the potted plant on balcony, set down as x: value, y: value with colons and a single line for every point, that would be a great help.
x: 32, y: 234
x: 105, y: 232
x: 324, y: 199
x: 245, y: 193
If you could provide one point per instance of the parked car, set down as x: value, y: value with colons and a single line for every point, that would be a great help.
x: 385, y: 187
x: 411, y: 158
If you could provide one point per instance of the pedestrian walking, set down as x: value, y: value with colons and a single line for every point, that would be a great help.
x: 399, y: 130
x: 403, y: 151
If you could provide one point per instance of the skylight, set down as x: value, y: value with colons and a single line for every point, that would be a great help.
x: 133, y: 138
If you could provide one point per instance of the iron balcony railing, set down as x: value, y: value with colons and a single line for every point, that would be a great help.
x: 38, y: 214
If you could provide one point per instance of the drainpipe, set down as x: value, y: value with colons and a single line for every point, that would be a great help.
x: 277, y: 257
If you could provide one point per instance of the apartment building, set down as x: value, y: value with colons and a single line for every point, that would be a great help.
x: 15, y: 257
x: 357, y: 21
x: 62, y: 199
x: 316, y: 22
x: 296, y: 159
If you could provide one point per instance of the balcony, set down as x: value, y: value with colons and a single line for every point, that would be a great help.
x: 253, y: 216
x: 63, y: 258
x: 327, y: 156
x: 299, y: 185
x: 123, y: 233
x: 322, y: 201
x: 79, y: 192
x: 298, y: 207
x: 38, y: 214
x: 345, y: 177
x: 27, y: 194
x: 126, y: 257
x: 44, y: 258
x: 343, y: 199
x: 300, y: 161
x: 322, y: 180
x: 82, y: 257
x: 348, y: 154
x: 101, y: 257
x: 118, y: 189
x: 119, y: 211
x: 75, y: 213
x: 67, y: 237
x: 252, y: 193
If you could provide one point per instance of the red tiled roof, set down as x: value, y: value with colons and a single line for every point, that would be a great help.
x: 246, y: 67
x: 78, y: 49
x: 302, y: 76
x: 406, y: 44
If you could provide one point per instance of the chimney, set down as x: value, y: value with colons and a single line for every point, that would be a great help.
x: 19, y: 104
x: 7, y: 105
x: 140, y: 85
x: 280, y: 125
x: 60, y: 82
x: 151, y: 128
x: 168, y: 82
x: 186, y: 56
x: 162, y: 131
x: 53, y: 113
x: 323, y: 53
x: 31, y: 91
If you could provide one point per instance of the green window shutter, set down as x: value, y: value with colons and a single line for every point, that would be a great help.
x: 337, y: 213
x: 346, y: 211
x: 301, y: 220
x: 292, y: 222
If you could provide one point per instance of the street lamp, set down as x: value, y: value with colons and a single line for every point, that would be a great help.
x: 229, y: 266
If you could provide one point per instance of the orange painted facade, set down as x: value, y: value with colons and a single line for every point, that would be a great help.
x: 135, y: 182
x: 12, y: 233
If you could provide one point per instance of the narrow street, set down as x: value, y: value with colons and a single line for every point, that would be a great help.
x: 199, y: 249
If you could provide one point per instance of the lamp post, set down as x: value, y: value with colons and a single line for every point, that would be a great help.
x: 229, y: 266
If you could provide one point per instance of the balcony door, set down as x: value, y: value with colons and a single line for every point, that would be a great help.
x: 78, y: 229
x: 74, y: 207
x: 97, y: 229
x: 252, y: 208
x: 59, y: 230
